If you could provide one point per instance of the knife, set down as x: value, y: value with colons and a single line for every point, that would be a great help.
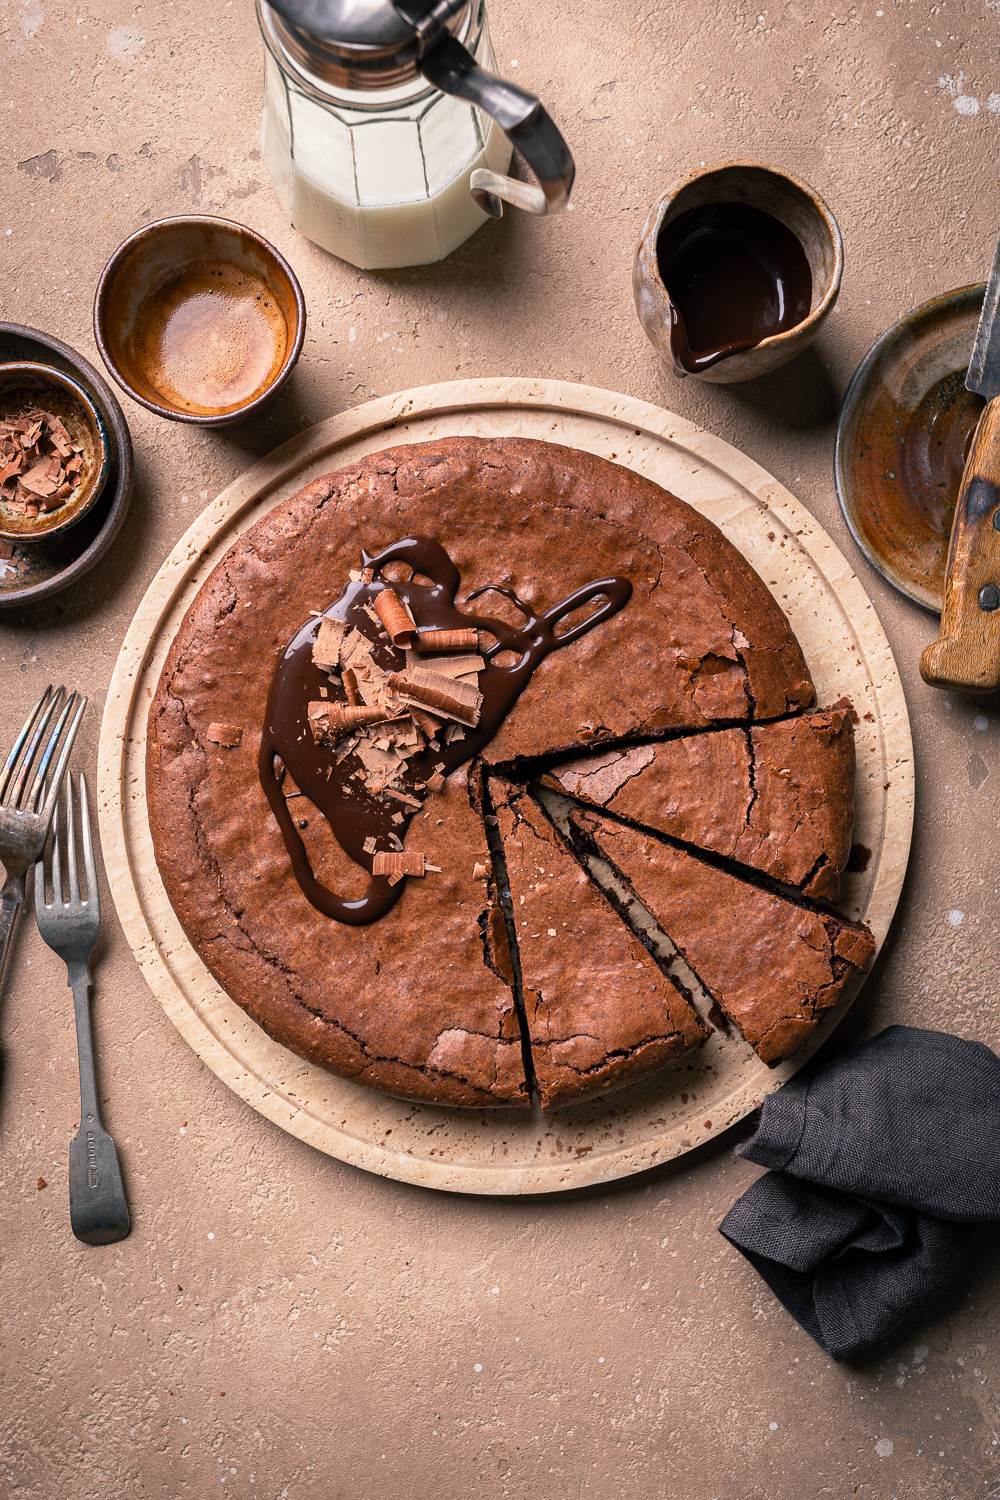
x: 966, y: 654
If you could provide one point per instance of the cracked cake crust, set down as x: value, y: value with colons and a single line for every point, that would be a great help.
x: 773, y: 965
x: 598, y: 1008
x: 408, y: 1005
x: 778, y: 797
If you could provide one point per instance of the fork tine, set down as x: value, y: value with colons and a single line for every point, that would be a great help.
x: 30, y: 799
x: 19, y: 743
x: 74, y: 880
x: 55, y: 780
x: 57, y: 894
x: 15, y: 781
x: 41, y: 866
x: 89, y: 864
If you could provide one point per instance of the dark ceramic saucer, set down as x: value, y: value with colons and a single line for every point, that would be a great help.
x: 39, y: 569
x: 905, y: 428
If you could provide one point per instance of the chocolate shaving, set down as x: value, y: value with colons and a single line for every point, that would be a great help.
x: 447, y: 666
x: 227, y: 735
x: 43, y: 478
x: 395, y: 866
x: 328, y: 642
x: 428, y: 724
x: 39, y: 463
x: 404, y: 797
x: 453, y: 698
x: 398, y: 623
x: 60, y: 437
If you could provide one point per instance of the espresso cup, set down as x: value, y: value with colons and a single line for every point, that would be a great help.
x: 199, y: 319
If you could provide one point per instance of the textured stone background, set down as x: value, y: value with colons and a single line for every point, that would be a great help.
x: 278, y: 1325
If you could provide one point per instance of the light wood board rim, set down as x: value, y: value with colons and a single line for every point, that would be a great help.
x: 124, y: 828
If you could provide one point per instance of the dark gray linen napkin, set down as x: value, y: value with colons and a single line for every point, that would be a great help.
x: 884, y: 1159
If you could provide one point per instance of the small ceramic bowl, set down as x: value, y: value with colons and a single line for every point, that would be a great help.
x: 199, y: 319
x: 798, y: 206
x: 31, y: 573
x: 906, y: 426
x: 25, y: 384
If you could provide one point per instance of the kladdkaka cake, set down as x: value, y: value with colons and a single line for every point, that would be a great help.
x: 340, y: 684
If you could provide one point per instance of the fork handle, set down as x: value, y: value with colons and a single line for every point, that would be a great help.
x: 98, y: 1208
x: 11, y: 901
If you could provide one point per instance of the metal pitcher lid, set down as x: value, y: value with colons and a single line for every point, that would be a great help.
x: 358, y: 43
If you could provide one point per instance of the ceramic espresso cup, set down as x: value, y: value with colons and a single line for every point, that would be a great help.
x: 199, y: 319
x: 796, y: 206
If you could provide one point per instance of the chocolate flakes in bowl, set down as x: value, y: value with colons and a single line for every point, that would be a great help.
x: 53, y: 451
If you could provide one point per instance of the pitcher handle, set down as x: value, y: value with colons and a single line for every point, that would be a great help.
x: 524, y: 120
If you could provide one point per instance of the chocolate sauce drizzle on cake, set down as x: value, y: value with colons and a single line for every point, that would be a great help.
x: 315, y: 749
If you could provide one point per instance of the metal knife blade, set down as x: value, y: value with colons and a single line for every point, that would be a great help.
x: 984, y: 367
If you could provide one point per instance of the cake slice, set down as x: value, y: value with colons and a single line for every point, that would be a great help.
x: 598, y: 1008
x: 773, y: 965
x: 779, y: 797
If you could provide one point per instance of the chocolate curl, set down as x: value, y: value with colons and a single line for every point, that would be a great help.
x: 350, y: 681
x: 328, y: 722
x: 451, y: 697
x: 398, y: 623
x: 425, y: 722
x: 431, y: 642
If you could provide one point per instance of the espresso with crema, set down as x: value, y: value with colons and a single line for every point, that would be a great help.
x: 209, y: 339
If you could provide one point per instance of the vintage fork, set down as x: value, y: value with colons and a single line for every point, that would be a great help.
x: 70, y: 922
x: 29, y: 785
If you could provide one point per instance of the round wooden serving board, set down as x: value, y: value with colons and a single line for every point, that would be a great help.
x: 494, y: 1151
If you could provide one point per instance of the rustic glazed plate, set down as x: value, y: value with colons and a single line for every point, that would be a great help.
x: 904, y: 431
x: 38, y: 569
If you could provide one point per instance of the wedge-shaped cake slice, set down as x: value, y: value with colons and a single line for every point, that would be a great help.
x: 599, y: 1009
x: 773, y: 965
x: 779, y: 797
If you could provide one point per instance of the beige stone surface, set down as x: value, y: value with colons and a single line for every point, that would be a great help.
x: 279, y: 1325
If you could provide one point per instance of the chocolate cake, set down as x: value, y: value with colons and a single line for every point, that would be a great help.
x: 778, y: 797
x: 774, y: 966
x: 597, y: 1006
x: 317, y: 742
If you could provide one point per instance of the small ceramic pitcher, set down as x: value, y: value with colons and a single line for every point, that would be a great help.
x: 785, y: 198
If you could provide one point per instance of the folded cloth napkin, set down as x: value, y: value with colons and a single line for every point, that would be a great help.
x: 883, y: 1160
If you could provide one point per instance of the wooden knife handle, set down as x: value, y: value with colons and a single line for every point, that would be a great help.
x: 966, y: 654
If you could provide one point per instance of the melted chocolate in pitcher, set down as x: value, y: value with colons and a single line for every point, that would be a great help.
x: 735, y: 275
x: 361, y: 815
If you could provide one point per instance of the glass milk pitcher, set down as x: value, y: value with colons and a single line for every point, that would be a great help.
x: 369, y: 136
